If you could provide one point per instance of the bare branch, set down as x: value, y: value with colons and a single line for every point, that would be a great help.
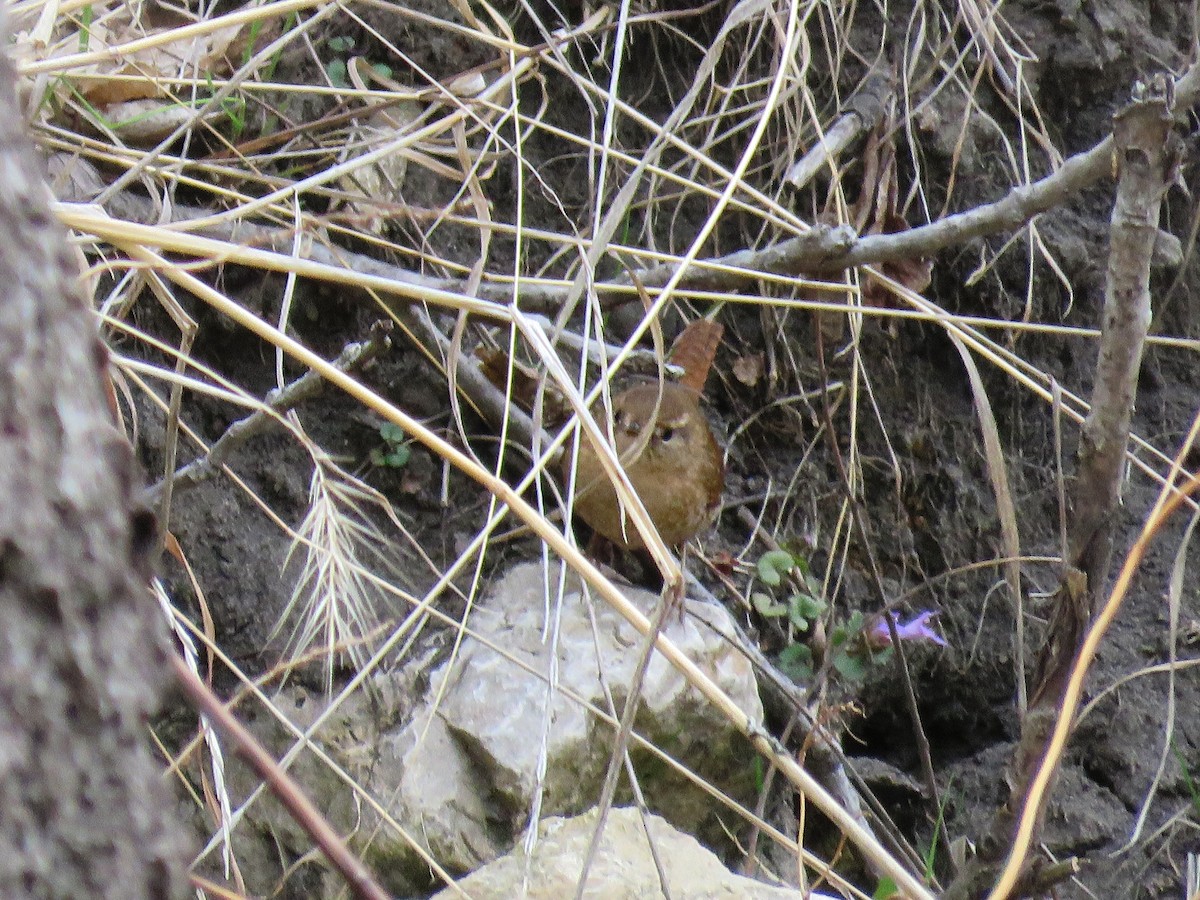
x: 1148, y: 156
x: 863, y: 112
x: 309, y: 385
x: 306, y: 815
x: 824, y: 249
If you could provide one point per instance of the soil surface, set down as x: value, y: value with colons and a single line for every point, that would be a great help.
x: 927, y: 511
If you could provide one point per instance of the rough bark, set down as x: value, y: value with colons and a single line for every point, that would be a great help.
x: 84, y: 811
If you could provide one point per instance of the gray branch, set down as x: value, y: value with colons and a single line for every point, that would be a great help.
x: 309, y: 385
x: 1147, y: 157
x: 823, y: 249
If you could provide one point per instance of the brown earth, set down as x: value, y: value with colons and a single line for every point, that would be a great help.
x: 926, y: 498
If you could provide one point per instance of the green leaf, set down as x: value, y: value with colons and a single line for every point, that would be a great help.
x: 885, y: 890
x: 252, y: 39
x: 382, y: 69
x: 852, y: 668
x: 336, y: 71
x: 87, y: 16
x: 394, y: 456
x: 796, y: 661
x: 235, y: 110
x: 810, y: 607
x: 765, y: 605
x: 391, y: 432
x: 839, y: 634
x: 798, y: 621
x: 773, y: 565
x: 341, y: 43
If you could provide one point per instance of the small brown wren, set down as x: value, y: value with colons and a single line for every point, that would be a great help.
x: 678, y: 472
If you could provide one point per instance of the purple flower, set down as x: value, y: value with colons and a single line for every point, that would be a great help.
x: 917, y: 631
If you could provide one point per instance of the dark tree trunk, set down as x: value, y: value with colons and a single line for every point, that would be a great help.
x: 84, y: 812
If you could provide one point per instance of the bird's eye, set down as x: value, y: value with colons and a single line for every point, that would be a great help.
x: 667, y: 434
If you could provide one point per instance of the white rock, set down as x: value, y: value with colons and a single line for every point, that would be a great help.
x: 460, y: 776
x: 495, y: 707
x: 623, y: 868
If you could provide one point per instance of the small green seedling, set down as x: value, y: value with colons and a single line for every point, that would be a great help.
x: 803, y: 605
x: 781, y: 572
x: 337, y: 69
x: 793, y: 593
x: 851, y: 657
x: 774, y: 565
x: 796, y: 661
x: 396, y: 451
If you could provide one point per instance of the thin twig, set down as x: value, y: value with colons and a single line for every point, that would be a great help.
x: 823, y: 249
x: 1148, y: 156
x: 863, y: 112
x: 306, y: 815
x: 309, y: 385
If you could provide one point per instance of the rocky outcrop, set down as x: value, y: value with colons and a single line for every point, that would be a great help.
x: 524, y: 708
x: 623, y: 869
